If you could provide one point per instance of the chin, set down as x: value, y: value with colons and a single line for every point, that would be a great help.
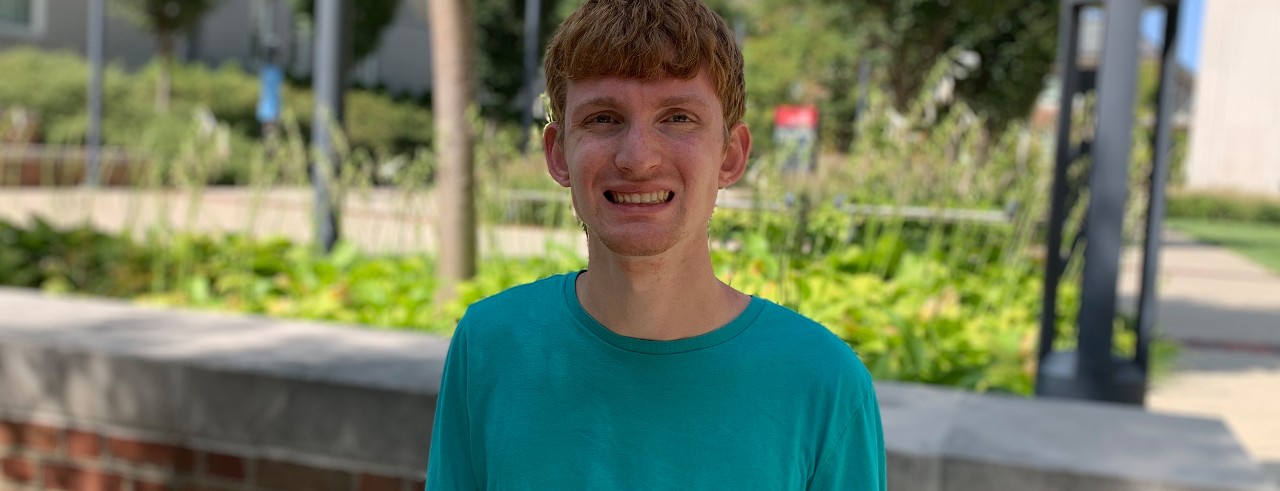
x: 630, y: 246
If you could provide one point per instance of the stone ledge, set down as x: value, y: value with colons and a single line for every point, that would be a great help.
x: 324, y: 395
x: 361, y: 400
x: 945, y: 440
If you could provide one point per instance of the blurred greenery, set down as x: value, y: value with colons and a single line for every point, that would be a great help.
x: 921, y: 58
x: 920, y: 298
x: 368, y: 22
x: 925, y: 316
x: 499, y: 37
x: 1224, y: 206
x: 921, y: 55
x: 163, y: 19
x: 203, y: 100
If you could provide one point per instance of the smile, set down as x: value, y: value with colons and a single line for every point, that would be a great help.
x: 649, y: 198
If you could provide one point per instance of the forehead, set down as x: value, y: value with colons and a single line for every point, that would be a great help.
x: 638, y: 92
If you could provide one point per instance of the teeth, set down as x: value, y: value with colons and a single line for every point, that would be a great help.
x: 641, y: 198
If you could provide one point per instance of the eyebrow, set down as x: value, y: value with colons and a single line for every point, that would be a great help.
x: 613, y: 103
x: 681, y: 100
x: 602, y: 101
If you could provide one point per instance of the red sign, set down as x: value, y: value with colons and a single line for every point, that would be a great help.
x: 796, y: 116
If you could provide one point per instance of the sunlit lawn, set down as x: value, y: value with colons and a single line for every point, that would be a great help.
x: 1257, y: 241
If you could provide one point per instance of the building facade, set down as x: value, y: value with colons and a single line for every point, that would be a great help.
x: 1235, y: 135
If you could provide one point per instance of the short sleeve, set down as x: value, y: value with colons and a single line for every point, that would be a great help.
x: 449, y: 465
x: 857, y: 460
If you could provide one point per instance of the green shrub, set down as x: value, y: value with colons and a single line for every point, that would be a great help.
x: 53, y: 86
x: 79, y: 259
x: 1223, y: 205
x: 919, y: 299
x: 925, y: 322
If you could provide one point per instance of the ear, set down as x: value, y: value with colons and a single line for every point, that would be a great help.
x: 553, y: 148
x: 737, y: 150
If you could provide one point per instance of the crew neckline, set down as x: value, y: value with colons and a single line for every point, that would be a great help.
x: 656, y: 347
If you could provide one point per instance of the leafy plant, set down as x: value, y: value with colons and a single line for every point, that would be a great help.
x: 204, y: 99
x: 864, y: 245
x: 370, y: 19
x: 1224, y: 206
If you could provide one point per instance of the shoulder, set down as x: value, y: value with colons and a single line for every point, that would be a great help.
x: 796, y: 331
x: 515, y: 306
x: 809, y: 346
x: 521, y: 297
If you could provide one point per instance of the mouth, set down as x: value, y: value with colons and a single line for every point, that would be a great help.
x: 649, y: 198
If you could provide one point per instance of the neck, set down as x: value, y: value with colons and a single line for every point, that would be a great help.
x: 665, y: 297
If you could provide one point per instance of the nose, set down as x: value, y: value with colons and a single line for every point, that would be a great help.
x: 638, y: 152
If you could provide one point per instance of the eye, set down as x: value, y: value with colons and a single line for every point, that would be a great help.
x: 601, y: 119
x: 681, y: 118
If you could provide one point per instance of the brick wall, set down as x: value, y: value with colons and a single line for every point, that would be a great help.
x: 36, y: 456
x: 41, y: 165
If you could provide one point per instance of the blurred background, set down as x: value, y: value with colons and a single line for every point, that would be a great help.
x: 303, y: 160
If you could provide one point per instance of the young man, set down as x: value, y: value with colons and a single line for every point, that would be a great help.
x: 645, y: 371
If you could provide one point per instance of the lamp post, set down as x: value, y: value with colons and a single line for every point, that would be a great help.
x: 94, y: 48
x: 328, y: 84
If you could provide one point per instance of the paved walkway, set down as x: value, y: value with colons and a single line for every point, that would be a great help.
x: 1224, y: 311
x: 376, y: 220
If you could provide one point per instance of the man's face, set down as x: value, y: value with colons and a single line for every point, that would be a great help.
x: 644, y: 160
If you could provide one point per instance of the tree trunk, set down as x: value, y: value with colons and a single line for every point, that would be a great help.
x: 452, y: 96
x: 164, y: 44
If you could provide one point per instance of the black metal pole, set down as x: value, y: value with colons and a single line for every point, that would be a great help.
x: 1096, y: 367
x: 1068, y: 34
x: 94, y: 48
x: 1161, y: 146
x: 328, y: 83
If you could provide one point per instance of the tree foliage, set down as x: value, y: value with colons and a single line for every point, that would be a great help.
x: 369, y: 18
x: 794, y: 53
x: 164, y: 19
x: 499, y: 38
x: 811, y: 51
x: 1014, y: 42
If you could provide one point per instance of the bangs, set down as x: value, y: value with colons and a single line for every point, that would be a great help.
x: 638, y: 46
x: 645, y: 40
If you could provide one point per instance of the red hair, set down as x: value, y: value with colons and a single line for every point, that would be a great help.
x: 645, y: 39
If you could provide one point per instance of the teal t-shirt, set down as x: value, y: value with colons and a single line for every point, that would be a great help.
x: 538, y: 395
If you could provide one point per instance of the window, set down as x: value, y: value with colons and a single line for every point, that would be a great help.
x: 22, y: 17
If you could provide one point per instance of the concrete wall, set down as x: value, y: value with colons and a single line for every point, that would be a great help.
x: 1235, y: 134
x: 97, y: 393
x: 100, y: 391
